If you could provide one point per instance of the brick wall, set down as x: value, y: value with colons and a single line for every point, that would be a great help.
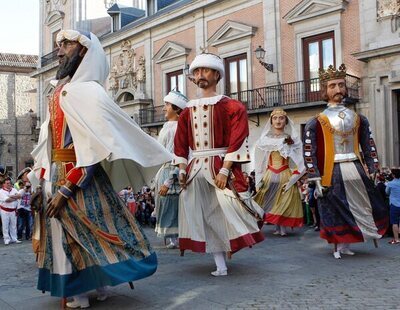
x: 252, y: 16
x: 350, y: 39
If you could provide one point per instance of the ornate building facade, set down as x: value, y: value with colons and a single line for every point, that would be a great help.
x: 379, y: 52
x: 271, y: 49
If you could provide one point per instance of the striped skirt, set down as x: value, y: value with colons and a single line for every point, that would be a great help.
x: 95, y: 242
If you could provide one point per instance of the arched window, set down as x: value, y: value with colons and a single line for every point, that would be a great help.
x: 125, y: 97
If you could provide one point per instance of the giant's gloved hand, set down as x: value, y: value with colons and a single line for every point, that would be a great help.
x: 319, y: 189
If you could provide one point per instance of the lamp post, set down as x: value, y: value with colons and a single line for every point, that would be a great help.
x: 260, y: 54
x: 187, y: 74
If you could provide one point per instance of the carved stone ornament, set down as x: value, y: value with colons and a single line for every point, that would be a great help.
x: 125, y: 71
x: 388, y: 8
x: 55, y: 5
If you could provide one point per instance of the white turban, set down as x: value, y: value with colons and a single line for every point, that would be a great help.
x: 176, y: 98
x: 208, y: 60
x: 73, y: 35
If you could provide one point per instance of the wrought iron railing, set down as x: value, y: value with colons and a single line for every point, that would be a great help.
x: 153, y: 115
x: 266, y: 98
x: 49, y: 58
x: 287, y: 94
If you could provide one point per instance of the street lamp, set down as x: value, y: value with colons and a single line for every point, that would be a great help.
x: 186, y: 69
x: 260, y: 54
x: 189, y: 76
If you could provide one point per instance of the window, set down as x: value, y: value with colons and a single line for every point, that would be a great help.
x: 318, y: 52
x: 236, y: 74
x: 116, y: 19
x: 175, y: 81
x: 164, y: 3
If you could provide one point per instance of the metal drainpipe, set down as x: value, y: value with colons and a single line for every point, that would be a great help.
x: 276, y: 44
x: 16, y: 126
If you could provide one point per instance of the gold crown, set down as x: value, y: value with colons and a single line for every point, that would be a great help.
x: 332, y: 73
x: 278, y: 112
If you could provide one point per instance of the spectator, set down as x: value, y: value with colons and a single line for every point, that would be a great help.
x: 131, y: 203
x: 393, y: 190
x: 9, y: 202
x: 24, y: 220
x: 19, y: 185
x: 312, y: 202
x: 381, y: 186
x: 124, y: 194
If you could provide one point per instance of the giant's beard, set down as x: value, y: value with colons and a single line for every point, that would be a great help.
x: 69, y: 66
x: 202, y: 83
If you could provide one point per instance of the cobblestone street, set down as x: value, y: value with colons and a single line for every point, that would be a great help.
x: 297, y: 272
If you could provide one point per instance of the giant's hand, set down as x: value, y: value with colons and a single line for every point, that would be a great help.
x: 163, y: 190
x: 285, y: 187
x: 319, y: 189
x: 221, y: 180
x: 55, y: 205
x: 182, y: 180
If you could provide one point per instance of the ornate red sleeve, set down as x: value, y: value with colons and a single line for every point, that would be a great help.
x: 238, y: 149
x: 80, y: 176
x: 181, y: 141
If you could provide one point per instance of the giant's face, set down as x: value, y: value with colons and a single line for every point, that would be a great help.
x: 205, y: 77
x: 336, y: 90
x: 170, y: 113
x: 70, y: 56
x: 278, y: 121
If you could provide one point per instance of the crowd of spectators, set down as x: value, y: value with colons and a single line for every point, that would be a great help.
x: 141, y: 204
x: 17, y: 214
x: 15, y: 207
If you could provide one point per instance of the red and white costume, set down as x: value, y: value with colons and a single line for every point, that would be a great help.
x: 8, y: 215
x: 211, y: 130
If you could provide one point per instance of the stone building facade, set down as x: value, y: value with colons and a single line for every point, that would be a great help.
x: 149, y: 55
x: 379, y: 52
x: 18, y: 119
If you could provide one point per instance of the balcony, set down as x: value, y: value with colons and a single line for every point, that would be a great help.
x: 261, y: 100
x: 290, y: 95
x: 49, y: 58
x: 154, y: 116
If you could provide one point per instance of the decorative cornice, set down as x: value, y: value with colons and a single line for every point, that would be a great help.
x: 307, y: 9
x: 230, y: 31
x: 367, y: 55
x: 53, y: 17
x: 170, y: 50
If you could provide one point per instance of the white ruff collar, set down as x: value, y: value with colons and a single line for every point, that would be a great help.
x: 205, y: 101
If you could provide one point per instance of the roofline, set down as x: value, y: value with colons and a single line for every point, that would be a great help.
x: 143, y: 24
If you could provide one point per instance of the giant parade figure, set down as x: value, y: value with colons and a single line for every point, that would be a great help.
x: 166, y: 180
x: 279, y: 164
x: 338, y: 150
x: 87, y: 148
x: 217, y: 214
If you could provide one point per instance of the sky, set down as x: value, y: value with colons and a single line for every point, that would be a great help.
x: 19, y: 24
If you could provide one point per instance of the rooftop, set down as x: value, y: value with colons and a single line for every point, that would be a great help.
x: 18, y: 60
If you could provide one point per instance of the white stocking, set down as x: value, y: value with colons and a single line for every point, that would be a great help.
x: 220, y: 261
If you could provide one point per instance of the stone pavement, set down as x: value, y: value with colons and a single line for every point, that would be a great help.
x: 295, y: 272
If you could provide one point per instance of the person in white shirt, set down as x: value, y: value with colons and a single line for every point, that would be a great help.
x: 8, y: 205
